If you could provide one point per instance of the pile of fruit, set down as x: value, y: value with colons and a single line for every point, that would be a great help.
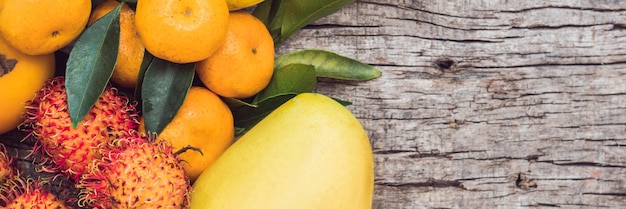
x: 177, y: 104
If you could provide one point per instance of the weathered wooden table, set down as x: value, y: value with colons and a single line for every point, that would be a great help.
x: 487, y: 103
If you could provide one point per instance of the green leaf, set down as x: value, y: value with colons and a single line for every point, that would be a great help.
x: 263, y: 12
x: 90, y: 64
x: 239, y: 131
x: 145, y: 62
x: 95, y: 3
x: 329, y: 64
x: 284, y: 17
x: 246, y: 117
x: 165, y: 86
x: 270, y: 12
x: 300, y: 13
x: 288, y: 79
x: 342, y: 102
x: 235, y: 103
x: 286, y: 82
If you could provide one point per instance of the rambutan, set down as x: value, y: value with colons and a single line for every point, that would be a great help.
x: 6, y: 165
x: 69, y: 149
x: 136, y: 174
x: 28, y: 193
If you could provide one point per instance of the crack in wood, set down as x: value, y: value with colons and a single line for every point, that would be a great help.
x: 539, y: 204
x: 431, y: 183
x: 323, y: 26
x: 556, y: 27
x: 606, y: 194
x: 585, y: 164
x: 575, y: 8
x: 414, y: 7
x: 618, y: 26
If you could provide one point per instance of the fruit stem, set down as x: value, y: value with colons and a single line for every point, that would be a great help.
x: 188, y: 147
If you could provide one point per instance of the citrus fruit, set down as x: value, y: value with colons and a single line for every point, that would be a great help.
x: 130, y: 51
x: 21, y: 76
x: 244, y: 64
x: 203, y: 122
x: 182, y: 31
x: 241, y: 4
x: 39, y: 27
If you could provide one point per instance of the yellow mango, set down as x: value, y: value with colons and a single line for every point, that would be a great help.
x: 310, y: 153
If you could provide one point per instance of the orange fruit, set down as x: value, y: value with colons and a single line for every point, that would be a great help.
x: 182, y: 31
x: 130, y: 51
x: 21, y: 76
x: 204, y: 122
x: 244, y: 64
x: 39, y: 27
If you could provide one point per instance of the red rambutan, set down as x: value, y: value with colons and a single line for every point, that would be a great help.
x: 6, y: 168
x: 136, y: 174
x: 69, y: 149
x: 28, y: 193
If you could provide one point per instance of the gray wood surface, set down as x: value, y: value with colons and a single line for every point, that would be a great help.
x: 485, y: 103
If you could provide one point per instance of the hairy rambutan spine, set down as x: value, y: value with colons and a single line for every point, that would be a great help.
x: 136, y: 173
x: 21, y: 192
x: 69, y: 149
x: 6, y: 165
